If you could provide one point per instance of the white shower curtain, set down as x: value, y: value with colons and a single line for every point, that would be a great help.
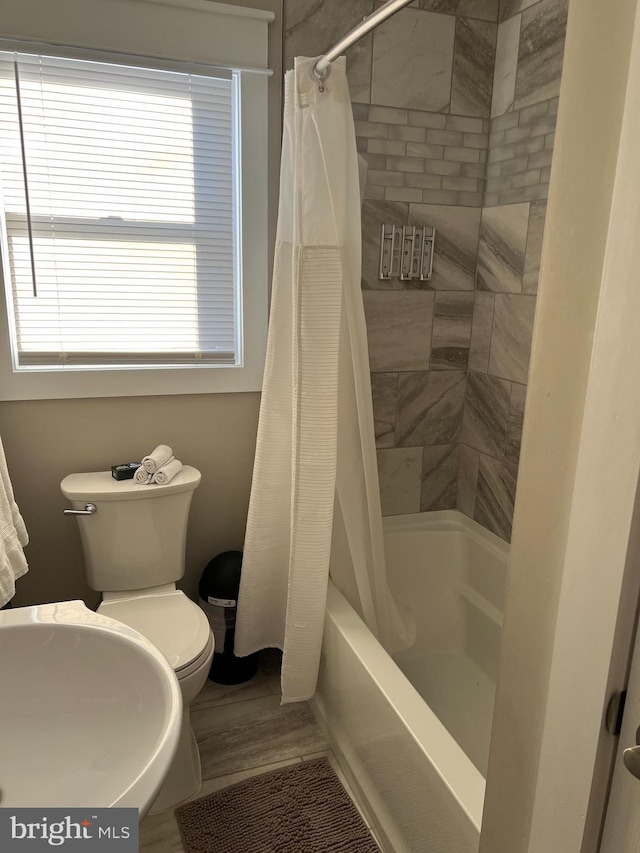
x: 315, y: 502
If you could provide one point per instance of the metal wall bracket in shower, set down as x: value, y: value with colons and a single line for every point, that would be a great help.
x: 407, y: 252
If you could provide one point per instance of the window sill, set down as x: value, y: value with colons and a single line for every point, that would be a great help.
x: 132, y: 382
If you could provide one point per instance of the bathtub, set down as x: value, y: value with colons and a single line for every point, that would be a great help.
x: 411, y: 732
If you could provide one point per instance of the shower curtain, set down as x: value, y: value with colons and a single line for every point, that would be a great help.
x: 315, y: 505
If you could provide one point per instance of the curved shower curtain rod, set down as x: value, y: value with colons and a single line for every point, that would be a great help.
x: 322, y: 67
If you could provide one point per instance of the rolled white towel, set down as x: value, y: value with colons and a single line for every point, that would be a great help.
x: 142, y: 476
x: 160, y: 456
x: 166, y: 474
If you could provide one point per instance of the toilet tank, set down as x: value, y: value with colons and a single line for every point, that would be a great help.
x: 136, y: 539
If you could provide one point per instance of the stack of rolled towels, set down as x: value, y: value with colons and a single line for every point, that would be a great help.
x: 159, y: 467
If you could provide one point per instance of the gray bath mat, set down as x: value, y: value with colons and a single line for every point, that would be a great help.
x: 302, y: 808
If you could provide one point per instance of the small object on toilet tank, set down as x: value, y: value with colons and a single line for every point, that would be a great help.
x: 124, y: 471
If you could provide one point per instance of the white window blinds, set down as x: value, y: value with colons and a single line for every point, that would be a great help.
x: 119, y: 196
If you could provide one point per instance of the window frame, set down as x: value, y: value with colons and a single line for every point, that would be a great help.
x: 251, y: 263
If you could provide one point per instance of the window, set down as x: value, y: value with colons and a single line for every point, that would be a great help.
x: 136, y: 206
x: 120, y: 197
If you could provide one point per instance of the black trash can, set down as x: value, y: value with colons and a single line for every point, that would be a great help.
x: 219, y: 587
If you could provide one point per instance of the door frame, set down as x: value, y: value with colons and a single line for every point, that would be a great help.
x: 573, y: 581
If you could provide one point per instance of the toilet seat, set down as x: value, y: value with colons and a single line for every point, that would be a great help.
x: 170, y: 620
x: 184, y: 672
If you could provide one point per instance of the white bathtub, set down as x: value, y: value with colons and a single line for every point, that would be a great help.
x: 412, y: 733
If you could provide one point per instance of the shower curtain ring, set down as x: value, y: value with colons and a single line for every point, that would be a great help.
x: 320, y: 76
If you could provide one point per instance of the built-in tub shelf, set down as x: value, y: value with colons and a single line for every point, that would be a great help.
x: 479, y: 601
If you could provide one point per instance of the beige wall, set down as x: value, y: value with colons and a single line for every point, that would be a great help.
x: 582, y: 181
x: 44, y: 440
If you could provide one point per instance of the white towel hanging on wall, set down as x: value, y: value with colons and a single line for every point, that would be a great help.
x: 13, y: 536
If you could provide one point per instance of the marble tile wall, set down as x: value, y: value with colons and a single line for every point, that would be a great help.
x: 502, y: 328
x: 419, y: 156
x: 312, y: 26
x: 526, y: 84
x: 421, y: 86
x: 530, y: 53
x: 419, y: 345
x: 454, y: 103
x: 524, y: 104
x: 421, y: 90
x: 519, y: 166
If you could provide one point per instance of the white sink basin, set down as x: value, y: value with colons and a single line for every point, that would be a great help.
x: 90, y: 711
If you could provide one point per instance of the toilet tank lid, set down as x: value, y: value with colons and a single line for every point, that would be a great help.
x: 100, y: 485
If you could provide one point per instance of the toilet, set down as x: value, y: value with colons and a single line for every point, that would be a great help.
x: 134, y: 538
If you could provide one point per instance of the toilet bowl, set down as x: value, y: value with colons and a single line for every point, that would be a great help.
x: 134, y: 546
x: 181, y: 631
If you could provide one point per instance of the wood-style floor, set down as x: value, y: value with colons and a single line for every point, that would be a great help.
x: 241, y: 730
